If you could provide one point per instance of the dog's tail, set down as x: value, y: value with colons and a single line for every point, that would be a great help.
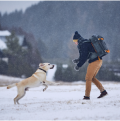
x: 51, y: 83
x: 12, y: 85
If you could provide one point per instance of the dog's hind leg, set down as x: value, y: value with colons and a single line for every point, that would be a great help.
x: 15, y: 99
x: 45, y: 87
x: 21, y: 94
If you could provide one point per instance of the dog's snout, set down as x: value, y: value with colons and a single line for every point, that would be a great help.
x: 52, y: 67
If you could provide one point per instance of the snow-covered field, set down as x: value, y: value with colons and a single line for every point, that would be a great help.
x: 63, y: 102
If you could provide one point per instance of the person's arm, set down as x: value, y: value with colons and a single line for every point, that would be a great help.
x: 83, y: 54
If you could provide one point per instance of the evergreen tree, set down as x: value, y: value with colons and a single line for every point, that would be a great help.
x: 18, y: 63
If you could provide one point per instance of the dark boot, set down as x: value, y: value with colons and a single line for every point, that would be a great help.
x: 104, y: 93
x: 86, y: 98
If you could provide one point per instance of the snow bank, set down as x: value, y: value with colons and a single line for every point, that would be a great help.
x: 6, y: 80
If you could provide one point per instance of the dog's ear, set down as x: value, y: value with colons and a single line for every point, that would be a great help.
x: 41, y: 64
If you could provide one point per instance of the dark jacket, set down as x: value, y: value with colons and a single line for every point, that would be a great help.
x: 84, y: 50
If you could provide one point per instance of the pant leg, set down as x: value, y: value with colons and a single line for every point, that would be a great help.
x: 96, y: 81
x: 98, y: 84
x: 91, y: 71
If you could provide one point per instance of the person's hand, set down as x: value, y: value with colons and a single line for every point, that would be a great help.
x: 75, y: 61
x: 76, y: 68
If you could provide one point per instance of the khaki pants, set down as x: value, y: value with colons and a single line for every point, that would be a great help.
x: 92, y: 71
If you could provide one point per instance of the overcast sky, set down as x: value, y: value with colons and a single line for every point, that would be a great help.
x: 10, y: 6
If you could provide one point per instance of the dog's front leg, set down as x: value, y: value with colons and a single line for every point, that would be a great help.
x: 45, y: 87
x: 51, y: 83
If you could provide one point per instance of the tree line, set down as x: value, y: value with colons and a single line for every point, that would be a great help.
x: 53, y: 24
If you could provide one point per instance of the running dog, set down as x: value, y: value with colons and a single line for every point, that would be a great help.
x: 37, y: 79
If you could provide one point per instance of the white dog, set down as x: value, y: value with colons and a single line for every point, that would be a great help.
x: 38, y: 78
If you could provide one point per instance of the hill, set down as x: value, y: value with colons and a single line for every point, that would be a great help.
x: 53, y: 24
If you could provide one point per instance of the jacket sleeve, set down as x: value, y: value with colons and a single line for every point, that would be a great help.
x: 83, y: 54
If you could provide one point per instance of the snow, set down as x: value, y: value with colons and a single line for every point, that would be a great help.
x: 2, y: 45
x: 63, y: 102
x: 65, y: 65
x: 51, y: 73
x: 5, y: 33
